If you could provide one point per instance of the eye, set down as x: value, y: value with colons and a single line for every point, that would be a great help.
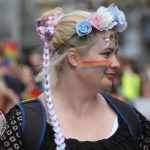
x: 107, y: 54
x: 116, y: 53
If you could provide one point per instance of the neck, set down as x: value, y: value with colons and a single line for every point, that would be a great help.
x: 78, y: 99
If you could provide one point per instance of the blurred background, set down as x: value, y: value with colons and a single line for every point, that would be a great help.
x: 20, y: 48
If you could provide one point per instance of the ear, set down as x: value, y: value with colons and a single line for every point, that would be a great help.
x: 72, y: 57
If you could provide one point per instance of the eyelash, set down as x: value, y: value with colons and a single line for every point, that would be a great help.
x: 116, y: 53
x: 108, y: 53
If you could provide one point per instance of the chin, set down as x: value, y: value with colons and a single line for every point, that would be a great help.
x: 107, y: 85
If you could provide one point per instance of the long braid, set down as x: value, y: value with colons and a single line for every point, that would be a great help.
x: 45, y: 29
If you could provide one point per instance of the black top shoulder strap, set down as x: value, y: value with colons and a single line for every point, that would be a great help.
x: 33, y: 123
x: 128, y: 114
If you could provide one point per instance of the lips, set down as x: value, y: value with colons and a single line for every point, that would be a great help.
x: 110, y: 75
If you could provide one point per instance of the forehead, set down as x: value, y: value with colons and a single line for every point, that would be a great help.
x: 108, y: 39
x: 105, y: 33
x: 111, y: 43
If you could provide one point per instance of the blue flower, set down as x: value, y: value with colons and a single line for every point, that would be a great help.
x: 117, y: 15
x: 83, y: 28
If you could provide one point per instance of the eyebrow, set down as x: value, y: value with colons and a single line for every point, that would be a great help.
x: 109, y: 48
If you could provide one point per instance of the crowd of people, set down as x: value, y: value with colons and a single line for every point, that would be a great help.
x: 17, y: 81
x: 130, y: 82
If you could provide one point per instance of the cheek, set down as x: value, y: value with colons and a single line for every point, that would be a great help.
x: 91, y: 75
x: 93, y: 70
x: 100, y: 65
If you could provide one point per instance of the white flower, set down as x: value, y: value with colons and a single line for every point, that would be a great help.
x: 109, y: 18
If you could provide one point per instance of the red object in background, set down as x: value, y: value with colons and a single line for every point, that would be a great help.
x: 116, y: 95
x: 31, y: 93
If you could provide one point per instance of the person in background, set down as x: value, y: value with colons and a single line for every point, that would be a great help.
x: 145, y: 81
x: 11, y: 82
x: 20, y: 68
x: 8, y: 98
x: 35, y: 63
x: 79, y: 64
x: 116, y: 89
x: 131, y: 83
x: 9, y: 87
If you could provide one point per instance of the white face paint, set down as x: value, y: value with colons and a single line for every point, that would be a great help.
x: 110, y: 45
x: 2, y: 123
x: 109, y: 42
x: 105, y: 38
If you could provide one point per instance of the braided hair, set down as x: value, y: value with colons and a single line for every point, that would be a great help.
x: 57, y: 31
x: 45, y: 28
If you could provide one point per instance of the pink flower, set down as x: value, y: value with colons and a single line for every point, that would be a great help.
x: 41, y: 32
x: 52, y: 22
x: 55, y: 22
x: 96, y: 20
x: 50, y: 17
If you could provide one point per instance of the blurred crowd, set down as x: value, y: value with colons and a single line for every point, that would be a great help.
x: 17, y: 80
x: 130, y: 82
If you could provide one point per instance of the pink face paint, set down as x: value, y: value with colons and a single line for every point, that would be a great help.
x: 102, y: 65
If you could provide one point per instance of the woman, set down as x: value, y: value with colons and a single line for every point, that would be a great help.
x: 83, y: 48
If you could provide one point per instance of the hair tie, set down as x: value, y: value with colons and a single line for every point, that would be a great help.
x: 46, y: 27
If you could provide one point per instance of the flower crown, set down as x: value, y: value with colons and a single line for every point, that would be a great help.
x: 103, y: 19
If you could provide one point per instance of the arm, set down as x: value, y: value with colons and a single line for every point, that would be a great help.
x: 8, y: 99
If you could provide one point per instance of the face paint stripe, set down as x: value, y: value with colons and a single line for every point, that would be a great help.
x: 102, y: 64
x: 95, y: 64
x: 96, y: 67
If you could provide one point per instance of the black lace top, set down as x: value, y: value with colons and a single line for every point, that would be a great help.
x: 120, y: 140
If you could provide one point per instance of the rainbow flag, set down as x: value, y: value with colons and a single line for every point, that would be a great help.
x: 102, y: 64
x: 31, y: 93
x: 10, y: 51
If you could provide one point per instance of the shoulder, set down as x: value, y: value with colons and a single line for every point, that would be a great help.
x: 12, y: 136
x: 14, y: 117
x: 31, y: 107
x: 42, y: 98
x: 140, y: 116
x: 14, y: 113
x: 145, y: 124
x: 34, y: 116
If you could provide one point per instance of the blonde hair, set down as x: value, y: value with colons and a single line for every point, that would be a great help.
x: 65, y: 37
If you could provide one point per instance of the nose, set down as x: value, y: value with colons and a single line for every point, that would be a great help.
x: 114, y: 64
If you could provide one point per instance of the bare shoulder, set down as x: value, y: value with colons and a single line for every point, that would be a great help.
x: 42, y: 98
x: 107, y: 107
